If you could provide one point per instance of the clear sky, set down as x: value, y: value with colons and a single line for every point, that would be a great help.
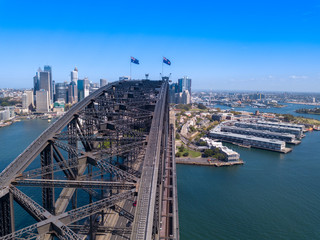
x: 224, y: 45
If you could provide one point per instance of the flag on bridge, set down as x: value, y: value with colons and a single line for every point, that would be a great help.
x: 134, y: 60
x: 166, y: 61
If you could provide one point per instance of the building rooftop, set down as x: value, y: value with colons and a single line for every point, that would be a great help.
x: 249, y: 137
x: 281, y: 124
x: 261, y: 131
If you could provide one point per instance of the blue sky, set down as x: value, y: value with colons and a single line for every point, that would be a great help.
x: 224, y: 45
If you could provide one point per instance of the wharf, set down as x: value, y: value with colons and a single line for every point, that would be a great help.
x: 295, y: 142
x: 284, y: 150
x: 207, y: 162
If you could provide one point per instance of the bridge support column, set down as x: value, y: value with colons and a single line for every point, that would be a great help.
x: 72, y: 131
x: 7, y: 215
x: 48, y: 200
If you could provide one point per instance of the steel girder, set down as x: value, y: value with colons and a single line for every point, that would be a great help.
x: 50, y: 183
x: 120, y: 114
x: 60, y: 221
x: 6, y: 216
x: 48, y: 199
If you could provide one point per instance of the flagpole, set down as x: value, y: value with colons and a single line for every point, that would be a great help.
x: 130, y: 68
x: 162, y: 69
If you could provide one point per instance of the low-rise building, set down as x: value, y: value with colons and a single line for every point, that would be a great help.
x: 229, y: 154
x: 287, y: 137
x: 295, y: 131
x: 252, y: 141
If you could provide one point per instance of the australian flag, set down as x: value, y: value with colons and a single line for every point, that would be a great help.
x: 134, y: 60
x: 166, y: 61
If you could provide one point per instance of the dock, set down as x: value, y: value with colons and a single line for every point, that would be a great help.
x: 207, y: 162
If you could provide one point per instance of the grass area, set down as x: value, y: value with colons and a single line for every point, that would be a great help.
x: 194, y: 154
x: 198, y: 110
x: 191, y: 153
x: 307, y: 121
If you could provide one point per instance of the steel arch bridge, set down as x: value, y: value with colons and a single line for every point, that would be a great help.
x: 103, y: 170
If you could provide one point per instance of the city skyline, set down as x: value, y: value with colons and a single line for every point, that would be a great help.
x: 220, y: 46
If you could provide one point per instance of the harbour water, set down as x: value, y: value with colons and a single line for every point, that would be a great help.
x: 289, y: 108
x: 272, y: 196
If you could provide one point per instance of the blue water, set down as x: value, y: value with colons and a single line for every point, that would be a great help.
x: 272, y: 196
x: 289, y: 108
x: 13, y: 140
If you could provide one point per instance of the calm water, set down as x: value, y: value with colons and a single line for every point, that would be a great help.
x: 272, y: 196
x: 290, y: 108
x: 13, y: 140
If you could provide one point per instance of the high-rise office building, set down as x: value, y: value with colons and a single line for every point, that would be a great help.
x: 53, y: 90
x: 74, y: 75
x: 48, y: 69
x: 43, y: 100
x: 186, y: 98
x: 180, y: 92
x: 173, y: 89
x: 83, y: 88
x: 103, y: 82
x: 61, y: 92
x: 184, y: 84
x: 72, y: 93
x: 27, y: 100
x: 44, y: 82
x: 36, y: 82
x: 93, y: 87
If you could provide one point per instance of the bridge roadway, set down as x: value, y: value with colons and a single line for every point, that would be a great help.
x: 114, y: 145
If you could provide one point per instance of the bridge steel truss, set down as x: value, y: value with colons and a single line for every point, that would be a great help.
x: 110, y: 147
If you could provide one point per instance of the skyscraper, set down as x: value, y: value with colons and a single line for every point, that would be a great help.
x: 27, y: 100
x: 186, y: 98
x: 83, y: 88
x: 173, y: 89
x: 72, y: 87
x: 61, y: 92
x: 184, y: 84
x: 74, y: 75
x: 72, y: 93
x: 48, y: 69
x: 43, y: 100
x: 36, y: 82
x: 103, y: 82
x: 44, y: 82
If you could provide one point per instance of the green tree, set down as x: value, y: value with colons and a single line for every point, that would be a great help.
x: 186, y: 154
x: 208, y: 153
x: 181, y: 149
x: 177, y: 136
x: 178, y: 154
x: 288, y: 117
x: 220, y: 156
x: 201, y: 106
x: 192, y: 129
x: 202, y: 143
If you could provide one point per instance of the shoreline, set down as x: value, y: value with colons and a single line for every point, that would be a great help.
x: 303, y: 103
x: 207, y: 162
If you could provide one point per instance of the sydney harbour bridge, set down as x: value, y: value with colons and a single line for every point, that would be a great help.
x: 104, y: 170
